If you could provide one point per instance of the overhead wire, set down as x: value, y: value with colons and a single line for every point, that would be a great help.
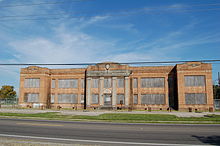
x: 92, y: 63
x: 116, y: 14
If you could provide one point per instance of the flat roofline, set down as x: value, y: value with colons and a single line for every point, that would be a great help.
x: 129, y: 66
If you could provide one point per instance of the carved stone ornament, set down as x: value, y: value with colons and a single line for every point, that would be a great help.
x: 107, y: 91
x: 107, y: 66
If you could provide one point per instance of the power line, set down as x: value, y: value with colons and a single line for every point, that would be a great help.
x: 165, y: 62
x: 37, y: 4
x: 73, y: 64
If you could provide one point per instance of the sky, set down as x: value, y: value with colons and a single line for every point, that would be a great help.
x: 78, y: 31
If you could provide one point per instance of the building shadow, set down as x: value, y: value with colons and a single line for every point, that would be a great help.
x: 213, y: 140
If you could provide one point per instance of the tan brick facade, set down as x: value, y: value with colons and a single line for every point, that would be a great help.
x: 194, y: 69
x: 112, y: 85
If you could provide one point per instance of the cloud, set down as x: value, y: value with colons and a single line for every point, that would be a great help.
x: 88, y: 21
x: 177, y: 6
x: 64, y: 47
x: 9, y: 75
x: 127, y: 27
x: 75, y: 46
x: 97, y: 18
x: 66, y: 41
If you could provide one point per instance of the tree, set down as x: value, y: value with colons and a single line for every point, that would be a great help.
x: 7, y: 92
x: 216, y: 91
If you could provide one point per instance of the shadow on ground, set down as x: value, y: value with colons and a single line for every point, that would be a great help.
x: 213, y: 140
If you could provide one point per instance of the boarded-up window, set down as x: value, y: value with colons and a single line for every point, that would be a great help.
x: 31, y: 97
x: 194, y: 80
x: 53, y: 83
x: 82, y: 83
x: 52, y: 96
x: 135, y: 98
x: 95, y: 98
x: 67, y: 98
x: 152, y: 82
x: 95, y: 83
x: 82, y: 98
x: 107, y: 83
x: 195, y: 98
x: 32, y: 83
x: 135, y: 82
x: 152, y: 99
x: 120, y: 82
x: 68, y: 83
x: 120, y: 98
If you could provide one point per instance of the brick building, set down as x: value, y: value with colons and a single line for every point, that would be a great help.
x: 111, y: 86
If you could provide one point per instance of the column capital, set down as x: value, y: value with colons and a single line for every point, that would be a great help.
x: 126, y: 78
x: 114, y: 78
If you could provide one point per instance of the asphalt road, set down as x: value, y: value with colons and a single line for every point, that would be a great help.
x: 110, y: 133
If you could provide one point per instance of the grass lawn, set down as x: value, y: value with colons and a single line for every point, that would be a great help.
x: 122, y: 117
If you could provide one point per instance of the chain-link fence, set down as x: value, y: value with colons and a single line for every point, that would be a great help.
x: 9, y: 101
x: 217, y: 103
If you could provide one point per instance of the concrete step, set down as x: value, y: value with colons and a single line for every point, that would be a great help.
x: 106, y: 108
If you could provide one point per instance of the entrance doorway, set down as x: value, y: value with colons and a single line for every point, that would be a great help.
x: 107, y: 99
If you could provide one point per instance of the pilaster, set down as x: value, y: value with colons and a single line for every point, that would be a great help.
x: 101, y: 86
x: 88, y: 92
x: 114, y: 91
x: 127, y: 91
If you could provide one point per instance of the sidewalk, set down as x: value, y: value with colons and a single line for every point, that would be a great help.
x: 99, y: 112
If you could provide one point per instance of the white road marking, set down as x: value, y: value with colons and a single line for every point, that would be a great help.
x: 38, y: 124
x: 95, y: 141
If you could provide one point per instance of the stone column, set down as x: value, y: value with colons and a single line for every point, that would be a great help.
x: 114, y: 91
x: 127, y: 91
x: 101, y: 86
x: 88, y: 91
